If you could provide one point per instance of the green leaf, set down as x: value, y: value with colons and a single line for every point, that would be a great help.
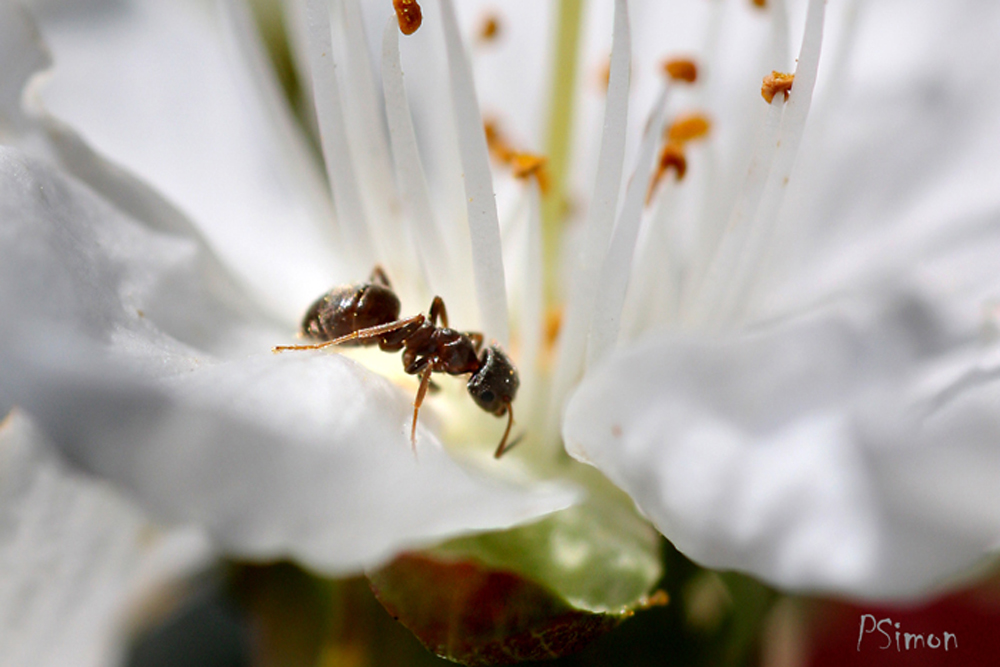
x: 600, y: 556
x: 534, y: 592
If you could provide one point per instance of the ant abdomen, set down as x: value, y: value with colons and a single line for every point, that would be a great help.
x: 349, y: 308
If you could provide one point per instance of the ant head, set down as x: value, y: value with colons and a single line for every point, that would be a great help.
x: 495, y: 384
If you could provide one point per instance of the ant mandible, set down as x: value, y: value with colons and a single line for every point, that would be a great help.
x: 368, y: 314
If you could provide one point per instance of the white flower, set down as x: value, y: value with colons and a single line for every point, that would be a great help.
x: 131, y: 346
x: 754, y: 416
x: 821, y: 411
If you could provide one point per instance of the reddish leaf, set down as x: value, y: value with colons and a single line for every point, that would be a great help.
x: 470, y: 613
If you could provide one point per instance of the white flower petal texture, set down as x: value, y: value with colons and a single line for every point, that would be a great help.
x: 786, y: 357
x: 147, y: 364
x: 827, y: 419
x: 77, y: 558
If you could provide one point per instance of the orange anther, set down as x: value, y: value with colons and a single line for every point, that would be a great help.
x: 408, y: 14
x: 681, y: 69
x: 525, y: 165
x: 489, y: 29
x: 774, y: 83
x: 671, y: 157
x: 688, y: 127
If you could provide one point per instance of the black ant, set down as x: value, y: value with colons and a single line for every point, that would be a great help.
x: 368, y: 314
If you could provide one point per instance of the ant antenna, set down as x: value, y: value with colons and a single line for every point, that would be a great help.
x: 510, y: 422
x: 360, y: 334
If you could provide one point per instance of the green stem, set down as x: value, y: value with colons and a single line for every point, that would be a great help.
x: 559, y: 139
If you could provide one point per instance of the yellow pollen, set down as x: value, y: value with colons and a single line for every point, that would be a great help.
x: 759, y: 3
x: 688, y: 127
x: 681, y: 69
x: 408, y: 14
x: 774, y: 83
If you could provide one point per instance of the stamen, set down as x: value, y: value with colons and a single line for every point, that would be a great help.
x: 743, y: 274
x: 681, y: 69
x: 333, y: 139
x: 616, y: 267
x: 496, y: 142
x: 363, y: 113
x: 432, y: 247
x: 408, y: 14
x: 484, y: 225
x: 775, y: 83
x: 526, y: 165
x: 298, y: 159
x: 523, y: 164
x: 671, y: 157
x: 599, y: 223
x: 759, y: 3
x: 688, y: 127
x: 531, y: 326
x: 489, y: 29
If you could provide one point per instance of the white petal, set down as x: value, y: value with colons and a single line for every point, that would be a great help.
x: 151, y: 86
x: 753, y: 452
x: 23, y: 54
x: 298, y: 455
x: 889, y: 171
x: 77, y: 558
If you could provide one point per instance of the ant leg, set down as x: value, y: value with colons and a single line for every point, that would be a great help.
x: 425, y: 379
x: 437, y: 310
x: 378, y: 277
x: 360, y: 334
x: 503, y: 441
x: 477, y: 340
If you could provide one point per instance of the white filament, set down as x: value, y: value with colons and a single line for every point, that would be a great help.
x: 333, y: 139
x: 746, y: 273
x: 484, y: 226
x: 610, y: 293
x: 366, y: 134
x: 296, y: 156
x: 600, y: 218
x: 432, y: 249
